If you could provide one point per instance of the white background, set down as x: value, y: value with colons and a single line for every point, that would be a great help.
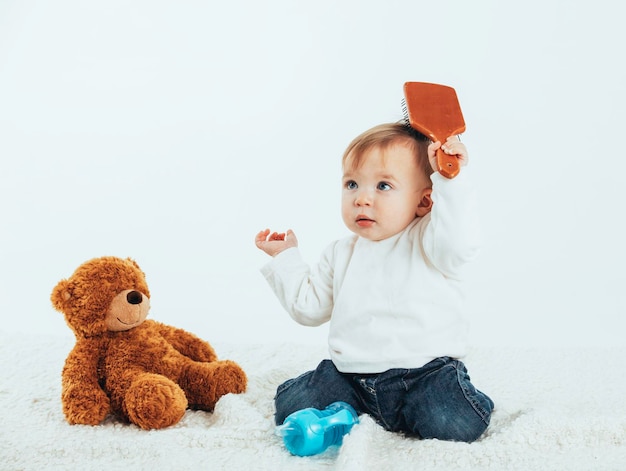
x: 172, y: 132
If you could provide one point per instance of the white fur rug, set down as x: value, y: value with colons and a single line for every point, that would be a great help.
x: 555, y: 410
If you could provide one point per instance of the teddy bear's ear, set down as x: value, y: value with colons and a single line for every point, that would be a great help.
x: 133, y: 262
x: 61, y: 294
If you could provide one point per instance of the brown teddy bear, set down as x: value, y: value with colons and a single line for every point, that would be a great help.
x: 143, y: 371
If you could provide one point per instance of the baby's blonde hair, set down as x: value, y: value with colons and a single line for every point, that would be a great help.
x: 383, y: 137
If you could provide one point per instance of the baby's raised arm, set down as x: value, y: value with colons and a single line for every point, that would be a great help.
x: 273, y: 243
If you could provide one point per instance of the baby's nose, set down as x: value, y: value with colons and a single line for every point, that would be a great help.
x: 134, y: 297
x: 363, y: 198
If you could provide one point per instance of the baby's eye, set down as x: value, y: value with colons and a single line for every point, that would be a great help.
x: 383, y: 186
x: 351, y: 185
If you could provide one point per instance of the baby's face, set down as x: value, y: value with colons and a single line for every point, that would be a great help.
x: 381, y: 196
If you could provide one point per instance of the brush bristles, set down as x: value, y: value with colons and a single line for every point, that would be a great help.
x: 407, y: 122
x: 405, y: 112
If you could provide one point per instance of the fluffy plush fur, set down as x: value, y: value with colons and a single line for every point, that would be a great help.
x: 143, y: 371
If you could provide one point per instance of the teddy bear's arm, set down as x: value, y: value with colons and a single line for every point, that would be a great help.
x: 187, y: 343
x: 84, y: 401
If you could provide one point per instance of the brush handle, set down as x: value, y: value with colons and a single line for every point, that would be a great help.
x: 447, y: 165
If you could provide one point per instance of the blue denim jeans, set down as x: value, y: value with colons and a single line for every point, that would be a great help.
x: 434, y: 401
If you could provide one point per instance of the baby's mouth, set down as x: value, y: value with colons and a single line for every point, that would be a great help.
x: 363, y: 221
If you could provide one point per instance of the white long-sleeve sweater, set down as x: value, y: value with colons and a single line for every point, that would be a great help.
x: 395, y: 303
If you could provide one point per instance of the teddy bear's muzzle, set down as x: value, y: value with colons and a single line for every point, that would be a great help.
x: 127, y: 310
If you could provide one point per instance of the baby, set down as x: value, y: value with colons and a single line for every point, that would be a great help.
x: 392, y: 291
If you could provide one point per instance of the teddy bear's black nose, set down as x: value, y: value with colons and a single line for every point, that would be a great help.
x: 134, y: 297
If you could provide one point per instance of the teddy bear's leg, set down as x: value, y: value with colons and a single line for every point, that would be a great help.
x: 205, y: 382
x: 82, y: 405
x: 153, y: 401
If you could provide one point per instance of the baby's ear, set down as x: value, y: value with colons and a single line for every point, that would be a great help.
x: 425, y: 204
x: 61, y: 294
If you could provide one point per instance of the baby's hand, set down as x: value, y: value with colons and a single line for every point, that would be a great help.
x: 274, y: 243
x: 452, y: 146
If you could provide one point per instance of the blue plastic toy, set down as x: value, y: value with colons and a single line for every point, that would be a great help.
x: 311, y: 431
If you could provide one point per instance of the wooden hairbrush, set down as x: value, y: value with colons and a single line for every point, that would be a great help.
x: 434, y: 111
